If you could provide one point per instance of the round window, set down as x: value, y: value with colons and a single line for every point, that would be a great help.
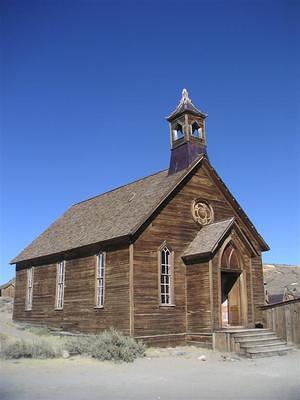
x: 202, y: 212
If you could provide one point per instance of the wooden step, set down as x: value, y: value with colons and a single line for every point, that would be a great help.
x: 269, y: 346
x: 261, y: 335
x: 255, y: 338
x: 261, y: 342
x: 268, y: 352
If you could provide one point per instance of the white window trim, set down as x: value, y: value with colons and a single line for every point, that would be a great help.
x: 29, y: 289
x: 170, y: 274
x: 60, y: 285
x: 100, y: 280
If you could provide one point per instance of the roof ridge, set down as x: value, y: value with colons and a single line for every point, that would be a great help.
x: 118, y: 187
x: 223, y: 220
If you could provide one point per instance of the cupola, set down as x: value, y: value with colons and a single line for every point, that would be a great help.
x: 187, y: 134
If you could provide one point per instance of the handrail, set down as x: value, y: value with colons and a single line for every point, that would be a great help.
x: 282, y: 303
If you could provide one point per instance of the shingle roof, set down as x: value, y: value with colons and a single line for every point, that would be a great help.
x: 110, y: 215
x: 208, y: 238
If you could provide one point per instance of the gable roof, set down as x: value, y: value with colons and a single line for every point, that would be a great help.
x: 211, y: 236
x: 117, y: 214
x: 208, y: 238
x: 10, y: 282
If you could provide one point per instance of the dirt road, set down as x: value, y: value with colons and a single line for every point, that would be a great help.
x: 164, y: 374
x: 172, y: 377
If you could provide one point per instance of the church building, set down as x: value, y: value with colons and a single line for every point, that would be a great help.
x: 169, y: 258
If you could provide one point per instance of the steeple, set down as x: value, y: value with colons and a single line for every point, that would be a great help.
x: 187, y: 134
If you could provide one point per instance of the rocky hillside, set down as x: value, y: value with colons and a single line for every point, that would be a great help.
x: 279, y: 276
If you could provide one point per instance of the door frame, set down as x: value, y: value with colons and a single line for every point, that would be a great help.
x: 242, y: 296
x: 242, y: 279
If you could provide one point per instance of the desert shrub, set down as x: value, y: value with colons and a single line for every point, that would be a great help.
x: 79, y: 344
x: 19, y: 348
x: 109, y: 345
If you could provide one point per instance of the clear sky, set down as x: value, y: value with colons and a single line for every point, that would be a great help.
x: 86, y: 86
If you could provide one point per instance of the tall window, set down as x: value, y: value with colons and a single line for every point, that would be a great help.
x: 165, y: 276
x: 60, y: 285
x: 100, y: 277
x: 29, y: 289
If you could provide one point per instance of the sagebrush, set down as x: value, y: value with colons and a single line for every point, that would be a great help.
x: 19, y: 348
x: 109, y: 345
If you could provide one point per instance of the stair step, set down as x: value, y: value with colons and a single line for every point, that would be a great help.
x: 256, y: 339
x: 247, y: 331
x: 281, y: 350
x: 262, y: 342
x: 265, y: 347
x: 239, y: 337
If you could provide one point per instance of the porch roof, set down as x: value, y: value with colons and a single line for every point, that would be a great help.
x: 208, y: 238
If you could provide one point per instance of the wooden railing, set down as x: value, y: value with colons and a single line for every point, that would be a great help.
x: 284, y: 319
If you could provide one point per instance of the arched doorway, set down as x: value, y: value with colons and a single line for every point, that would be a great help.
x: 232, y: 287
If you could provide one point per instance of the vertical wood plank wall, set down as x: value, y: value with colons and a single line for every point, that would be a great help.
x: 284, y: 319
x: 79, y: 312
x: 258, y: 287
x: 198, y: 298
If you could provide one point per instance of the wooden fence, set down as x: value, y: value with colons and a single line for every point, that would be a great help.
x: 284, y: 319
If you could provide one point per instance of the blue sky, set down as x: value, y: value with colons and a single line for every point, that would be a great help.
x: 86, y: 87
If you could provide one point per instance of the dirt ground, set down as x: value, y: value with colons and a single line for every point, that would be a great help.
x: 164, y: 374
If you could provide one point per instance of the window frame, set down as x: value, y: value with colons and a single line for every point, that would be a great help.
x: 60, y: 285
x: 98, y: 278
x: 171, y: 302
x: 29, y: 289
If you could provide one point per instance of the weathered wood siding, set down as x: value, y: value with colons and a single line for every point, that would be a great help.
x: 175, y: 225
x: 79, y: 312
x: 284, y: 319
x: 9, y: 291
x: 258, y: 287
x: 198, y: 298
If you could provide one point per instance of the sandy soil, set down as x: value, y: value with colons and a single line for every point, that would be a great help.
x: 173, y: 374
x: 162, y: 377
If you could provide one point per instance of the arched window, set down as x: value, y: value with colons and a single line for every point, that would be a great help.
x: 197, y: 131
x: 178, y: 132
x: 230, y: 257
x: 165, y: 276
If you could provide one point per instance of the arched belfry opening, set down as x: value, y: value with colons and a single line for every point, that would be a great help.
x: 187, y: 134
x: 232, y: 290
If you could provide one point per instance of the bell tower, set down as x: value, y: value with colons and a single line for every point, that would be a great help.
x: 187, y: 134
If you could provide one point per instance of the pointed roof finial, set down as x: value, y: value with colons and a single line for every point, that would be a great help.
x: 185, y: 97
x: 185, y: 106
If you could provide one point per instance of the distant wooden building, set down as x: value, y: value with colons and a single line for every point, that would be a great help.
x: 156, y: 258
x: 8, y: 289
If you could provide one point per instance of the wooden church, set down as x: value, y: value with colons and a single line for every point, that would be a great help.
x: 166, y: 258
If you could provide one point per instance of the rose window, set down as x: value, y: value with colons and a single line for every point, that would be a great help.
x: 202, y: 212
